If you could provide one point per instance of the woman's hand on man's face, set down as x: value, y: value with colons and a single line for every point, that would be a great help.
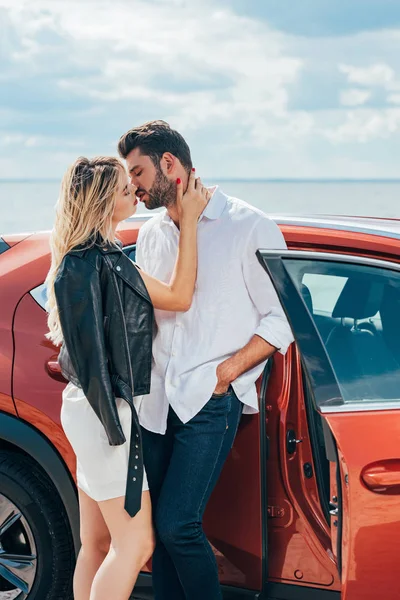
x: 192, y: 203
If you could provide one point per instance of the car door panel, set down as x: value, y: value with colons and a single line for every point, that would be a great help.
x: 371, y: 526
x: 365, y: 524
x: 298, y: 537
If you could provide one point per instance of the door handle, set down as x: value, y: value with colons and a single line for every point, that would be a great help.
x: 53, y: 366
x: 383, y: 477
x: 54, y: 369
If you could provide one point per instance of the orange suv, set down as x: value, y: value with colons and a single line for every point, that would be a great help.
x: 308, y: 504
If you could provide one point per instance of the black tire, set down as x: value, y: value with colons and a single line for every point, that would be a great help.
x: 24, y: 484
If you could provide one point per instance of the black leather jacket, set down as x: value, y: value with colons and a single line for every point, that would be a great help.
x: 107, y: 322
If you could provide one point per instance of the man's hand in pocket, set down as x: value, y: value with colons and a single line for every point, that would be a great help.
x: 225, y: 377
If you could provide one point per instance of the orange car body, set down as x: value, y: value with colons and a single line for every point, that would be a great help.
x: 266, y: 519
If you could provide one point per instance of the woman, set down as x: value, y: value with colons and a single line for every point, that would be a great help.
x: 101, y: 309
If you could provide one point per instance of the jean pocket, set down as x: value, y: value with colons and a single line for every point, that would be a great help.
x: 227, y: 393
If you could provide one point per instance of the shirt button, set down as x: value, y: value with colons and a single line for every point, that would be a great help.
x: 118, y: 268
x: 136, y: 457
x: 137, y: 435
x: 136, y: 446
x: 134, y: 479
x: 135, y: 467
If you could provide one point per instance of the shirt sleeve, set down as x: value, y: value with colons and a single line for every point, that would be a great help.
x: 273, y: 325
x: 140, y: 251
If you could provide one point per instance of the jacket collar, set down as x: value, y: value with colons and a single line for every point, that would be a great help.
x: 100, y: 244
x: 124, y: 268
x: 118, y: 262
x: 110, y: 248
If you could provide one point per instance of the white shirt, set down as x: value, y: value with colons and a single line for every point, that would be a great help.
x: 233, y: 300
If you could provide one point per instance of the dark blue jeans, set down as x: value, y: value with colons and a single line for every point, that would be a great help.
x: 183, y: 467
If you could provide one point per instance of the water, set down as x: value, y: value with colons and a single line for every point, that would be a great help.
x: 29, y: 206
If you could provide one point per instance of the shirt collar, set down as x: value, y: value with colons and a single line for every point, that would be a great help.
x: 212, y: 211
x: 216, y: 204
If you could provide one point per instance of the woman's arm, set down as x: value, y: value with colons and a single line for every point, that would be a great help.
x: 178, y: 293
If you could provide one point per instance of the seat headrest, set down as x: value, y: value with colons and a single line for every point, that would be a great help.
x: 361, y: 298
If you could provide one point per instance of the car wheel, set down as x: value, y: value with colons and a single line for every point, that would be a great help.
x: 37, y: 555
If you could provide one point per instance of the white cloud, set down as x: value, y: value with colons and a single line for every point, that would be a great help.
x: 354, y: 97
x: 364, y: 125
x: 374, y: 75
x: 207, y: 66
x: 20, y: 139
x: 228, y: 82
x: 393, y: 98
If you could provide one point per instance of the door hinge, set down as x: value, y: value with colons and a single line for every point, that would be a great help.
x: 275, y: 512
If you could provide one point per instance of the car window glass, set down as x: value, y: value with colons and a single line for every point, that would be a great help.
x: 324, y: 289
x: 39, y: 294
x: 355, y: 309
x: 130, y: 251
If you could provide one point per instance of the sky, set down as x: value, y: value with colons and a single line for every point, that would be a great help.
x: 259, y: 88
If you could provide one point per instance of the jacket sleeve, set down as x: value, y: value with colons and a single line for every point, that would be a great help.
x: 79, y: 300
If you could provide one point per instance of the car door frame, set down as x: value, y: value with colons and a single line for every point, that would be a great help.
x: 321, y: 377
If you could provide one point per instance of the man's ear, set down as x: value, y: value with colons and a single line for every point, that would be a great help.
x: 168, y: 161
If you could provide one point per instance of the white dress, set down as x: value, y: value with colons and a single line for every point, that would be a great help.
x: 101, y: 469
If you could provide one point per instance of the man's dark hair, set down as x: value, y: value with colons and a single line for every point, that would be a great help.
x: 153, y: 139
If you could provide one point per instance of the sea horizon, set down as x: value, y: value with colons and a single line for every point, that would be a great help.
x: 27, y: 204
x: 237, y: 179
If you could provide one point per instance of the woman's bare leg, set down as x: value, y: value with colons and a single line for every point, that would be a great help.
x: 95, y: 539
x: 132, y: 544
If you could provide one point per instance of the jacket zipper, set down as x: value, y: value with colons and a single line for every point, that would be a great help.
x: 123, y: 321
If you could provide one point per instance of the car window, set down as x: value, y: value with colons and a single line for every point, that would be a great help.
x: 355, y: 309
x: 130, y: 251
x: 3, y: 246
x: 39, y: 294
x: 324, y: 290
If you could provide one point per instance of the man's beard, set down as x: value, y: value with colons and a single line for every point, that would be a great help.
x: 162, y: 192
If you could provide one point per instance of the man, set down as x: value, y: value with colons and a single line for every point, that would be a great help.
x: 206, y: 361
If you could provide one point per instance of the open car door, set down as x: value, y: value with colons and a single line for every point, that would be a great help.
x: 344, y: 312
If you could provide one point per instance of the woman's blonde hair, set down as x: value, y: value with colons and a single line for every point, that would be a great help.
x: 84, y: 213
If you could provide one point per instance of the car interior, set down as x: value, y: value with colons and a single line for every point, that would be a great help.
x: 360, y: 330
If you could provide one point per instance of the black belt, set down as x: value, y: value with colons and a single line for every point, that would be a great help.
x: 134, y: 482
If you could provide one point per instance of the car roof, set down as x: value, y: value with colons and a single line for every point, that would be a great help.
x: 385, y: 227
x: 344, y: 233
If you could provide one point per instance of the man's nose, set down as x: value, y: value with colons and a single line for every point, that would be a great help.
x: 134, y: 180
